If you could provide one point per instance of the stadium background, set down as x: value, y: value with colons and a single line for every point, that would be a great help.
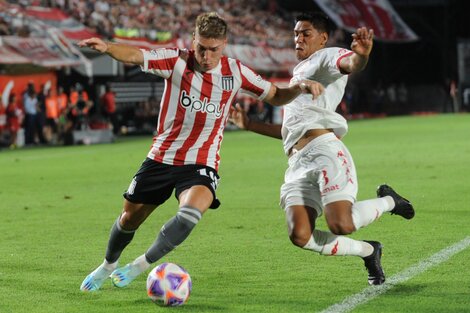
x: 422, y: 75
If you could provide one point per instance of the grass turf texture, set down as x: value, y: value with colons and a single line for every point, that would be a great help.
x: 57, y: 206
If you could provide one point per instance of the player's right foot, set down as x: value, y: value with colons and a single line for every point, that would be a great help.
x: 123, y: 276
x: 373, y: 264
x: 402, y: 207
x: 95, y: 279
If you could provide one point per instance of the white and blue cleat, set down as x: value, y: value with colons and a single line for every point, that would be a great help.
x: 123, y: 276
x: 95, y: 280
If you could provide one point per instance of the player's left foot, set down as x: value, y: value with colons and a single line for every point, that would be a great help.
x: 123, y: 276
x: 95, y: 279
x: 373, y: 264
x: 402, y: 207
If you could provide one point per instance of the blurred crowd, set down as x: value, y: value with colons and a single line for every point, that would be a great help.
x: 256, y: 23
x: 47, y: 116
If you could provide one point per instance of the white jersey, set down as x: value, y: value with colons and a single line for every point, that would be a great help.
x: 194, y: 107
x: 304, y: 113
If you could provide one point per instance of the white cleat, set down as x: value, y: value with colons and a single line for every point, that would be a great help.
x: 95, y: 280
x: 123, y: 276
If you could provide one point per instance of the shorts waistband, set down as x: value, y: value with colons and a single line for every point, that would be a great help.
x: 318, y: 140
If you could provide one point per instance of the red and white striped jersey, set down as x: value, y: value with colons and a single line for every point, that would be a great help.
x: 195, y: 105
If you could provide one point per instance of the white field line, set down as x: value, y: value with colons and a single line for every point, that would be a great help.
x: 371, y: 292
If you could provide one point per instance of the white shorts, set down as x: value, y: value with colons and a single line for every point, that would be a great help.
x: 320, y: 173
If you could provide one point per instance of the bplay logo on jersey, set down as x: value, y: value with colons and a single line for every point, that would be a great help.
x: 194, y: 104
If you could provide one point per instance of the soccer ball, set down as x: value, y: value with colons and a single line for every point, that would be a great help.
x: 169, y: 284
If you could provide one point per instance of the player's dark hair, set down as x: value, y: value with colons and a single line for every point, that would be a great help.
x: 319, y: 21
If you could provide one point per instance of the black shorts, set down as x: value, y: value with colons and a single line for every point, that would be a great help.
x: 154, y: 182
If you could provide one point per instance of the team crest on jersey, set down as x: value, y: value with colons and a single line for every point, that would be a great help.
x: 227, y: 82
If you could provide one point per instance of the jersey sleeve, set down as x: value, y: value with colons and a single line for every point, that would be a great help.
x: 335, y: 55
x: 160, y: 61
x: 253, y: 84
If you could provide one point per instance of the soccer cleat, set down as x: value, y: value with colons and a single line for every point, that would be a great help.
x: 123, y: 276
x: 95, y: 280
x: 373, y: 265
x: 402, y: 207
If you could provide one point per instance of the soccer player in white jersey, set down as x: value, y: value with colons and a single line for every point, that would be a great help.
x: 321, y: 177
x: 200, y: 87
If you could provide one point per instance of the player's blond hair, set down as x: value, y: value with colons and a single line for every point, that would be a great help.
x: 211, y: 25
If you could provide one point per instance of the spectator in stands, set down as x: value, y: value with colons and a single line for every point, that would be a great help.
x: 14, y: 119
x: 52, y: 116
x: 201, y: 84
x: 74, y: 94
x: 4, y: 28
x: 23, y: 31
x: 63, y: 108
x: 33, y: 126
x: 453, y: 96
x: 3, y: 120
x: 78, y: 113
x: 41, y: 112
x: 75, y: 117
x: 67, y: 125
x: 108, y: 108
x: 62, y: 100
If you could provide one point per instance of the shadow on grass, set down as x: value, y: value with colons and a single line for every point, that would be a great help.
x: 407, y: 289
x: 187, y: 307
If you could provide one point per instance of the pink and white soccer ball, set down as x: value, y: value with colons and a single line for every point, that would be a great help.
x: 169, y: 284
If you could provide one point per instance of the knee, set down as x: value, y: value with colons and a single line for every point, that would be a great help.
x: 131, y: 220
x: 341, y: 227
x: 300, y: 236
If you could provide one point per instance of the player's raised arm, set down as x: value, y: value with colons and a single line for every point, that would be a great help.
x: 279, y: 96
x: 361, y: 46
x: 122, y: 53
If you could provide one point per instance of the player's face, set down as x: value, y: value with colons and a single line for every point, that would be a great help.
x: 308, y: 40
x: 208, y: 51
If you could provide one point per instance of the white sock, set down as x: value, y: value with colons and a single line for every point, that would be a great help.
x: 109, y: 266
x: 327, y: 243
x: 139, y: 265
x: 367, y: 211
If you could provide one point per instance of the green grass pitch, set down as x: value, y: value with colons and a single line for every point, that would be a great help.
x: 57, y: 206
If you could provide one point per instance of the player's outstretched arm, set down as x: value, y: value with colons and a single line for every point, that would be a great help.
x: 122, y: 53
x: 279, y: 96
x: 361, y: 45
x: 239, y: 117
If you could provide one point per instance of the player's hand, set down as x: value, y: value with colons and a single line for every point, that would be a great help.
x: 312, y: 87
x: 239, y: 117
x: 362, y: 41
x: 95, y: 44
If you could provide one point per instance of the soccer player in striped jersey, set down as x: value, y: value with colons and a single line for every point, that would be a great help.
x: 321, y: 177
x: 200, y: 87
